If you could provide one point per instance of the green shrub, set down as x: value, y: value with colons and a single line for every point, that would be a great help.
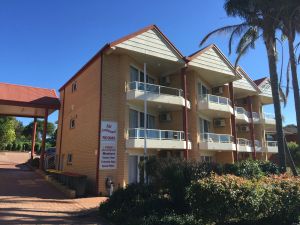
x: 128, y: 206
x: 172, y: 219
x: 235, y: 200
x: 269, y: 168
x: 8, y: 146
x: 247, y: 169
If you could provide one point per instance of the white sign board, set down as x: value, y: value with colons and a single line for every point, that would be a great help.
x: 108, y: 145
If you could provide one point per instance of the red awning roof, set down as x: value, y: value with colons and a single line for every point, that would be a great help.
x: 19, y: 95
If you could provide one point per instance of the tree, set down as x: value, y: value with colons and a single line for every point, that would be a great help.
x: 260, y: 20
x: 7, y: 131
x: 27, y: 132
x: 289, y: 11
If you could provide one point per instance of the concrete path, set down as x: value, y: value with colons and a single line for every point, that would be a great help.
x: 26, y: 198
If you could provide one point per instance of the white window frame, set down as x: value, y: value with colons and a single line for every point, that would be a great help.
x: 141, y: 70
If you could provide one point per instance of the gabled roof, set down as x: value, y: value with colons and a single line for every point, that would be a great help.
x: 143, y: 30
x: 120, y: 41
x: 248, y: 78
x: 200, y: 52
x: 12, y: 94
x: 260, y: 81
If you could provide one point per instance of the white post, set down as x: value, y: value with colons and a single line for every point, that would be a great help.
x: 145, y: 119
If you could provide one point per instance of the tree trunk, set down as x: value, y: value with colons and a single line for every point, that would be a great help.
x: 295, y: 86
x: 270, y: 46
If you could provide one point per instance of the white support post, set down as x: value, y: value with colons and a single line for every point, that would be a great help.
x: 145, y: 119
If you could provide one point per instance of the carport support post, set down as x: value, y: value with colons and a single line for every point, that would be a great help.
x: 44, y: 140
x: 33, y: 137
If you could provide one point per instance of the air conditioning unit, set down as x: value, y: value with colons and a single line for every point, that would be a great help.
x: 165, y: 80
x: 165, y: 117
x: 244, y: 128
x: 219, y: 123
x: 217, y: 90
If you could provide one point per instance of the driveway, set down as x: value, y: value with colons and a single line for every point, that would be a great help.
x: 26, y: 198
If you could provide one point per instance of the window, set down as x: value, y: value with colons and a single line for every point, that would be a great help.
x: 206, y: 159
x: 204, y: 126
x: 74, y: 86
x: 138, y: 75
x: 69, y: 158
x: 136, y: 120
x: 72, y: 123
x: 202, y: 90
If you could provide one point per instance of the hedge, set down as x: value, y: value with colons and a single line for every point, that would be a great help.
x: 231, y: 199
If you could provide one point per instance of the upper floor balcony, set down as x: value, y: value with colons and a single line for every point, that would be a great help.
x: 268, y: 119
x: 156, y: 139
x: 216, y: 142
x: 241, y: 115
x: 138, y: 91
x: 214, y: 105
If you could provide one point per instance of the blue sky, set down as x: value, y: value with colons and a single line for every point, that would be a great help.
x: 43, y: 43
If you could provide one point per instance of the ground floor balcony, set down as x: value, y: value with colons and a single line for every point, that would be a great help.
x: 155, y: 94
x: 245, y: 145
x: 216, y: 142
x: 156, y: 139
x: 215, y: 106
x: 271, y: 146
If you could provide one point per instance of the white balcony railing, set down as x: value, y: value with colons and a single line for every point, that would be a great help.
x: 216, y: 138
x: 244, y: 142
x: 269, y: 116
x: 139, y: 133
x: 241, y: 110
x: 255, y: 116
x: 216, y: 99
x: 156, y: 89
x: 271, y: 144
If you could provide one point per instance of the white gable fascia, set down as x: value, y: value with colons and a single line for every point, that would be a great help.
x: 213, y: 60
x: 151, y: 42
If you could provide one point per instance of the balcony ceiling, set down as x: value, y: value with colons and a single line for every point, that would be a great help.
x: 158, y: 65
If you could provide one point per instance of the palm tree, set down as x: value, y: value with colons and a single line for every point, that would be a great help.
x: 290, y: 20
x: 260, y: 20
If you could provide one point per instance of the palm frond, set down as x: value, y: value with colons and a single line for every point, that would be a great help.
x: 282, y: 96
x: 237, y: 31
x: 287, y: 90
x: 282, y: 59
x: 248, y: 37
x: 244, y: 50
x: 226, y: 29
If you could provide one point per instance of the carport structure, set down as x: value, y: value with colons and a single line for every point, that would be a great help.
x: 31, y: 102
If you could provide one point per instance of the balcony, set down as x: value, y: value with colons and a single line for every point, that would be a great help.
x: 155, y: 94
x: 241, y: 115
x: 271, y: 146
x: 216, y: 142
x: 244, y: 145
x: 269, y: 119
x: 256, y: 117
x: 156, y: 139
x: 216, y: 106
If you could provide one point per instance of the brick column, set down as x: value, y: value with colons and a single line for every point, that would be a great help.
x: 233, y: 122
x: 185, y: 112
x: 33, y: 137
x: 251, y: 126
